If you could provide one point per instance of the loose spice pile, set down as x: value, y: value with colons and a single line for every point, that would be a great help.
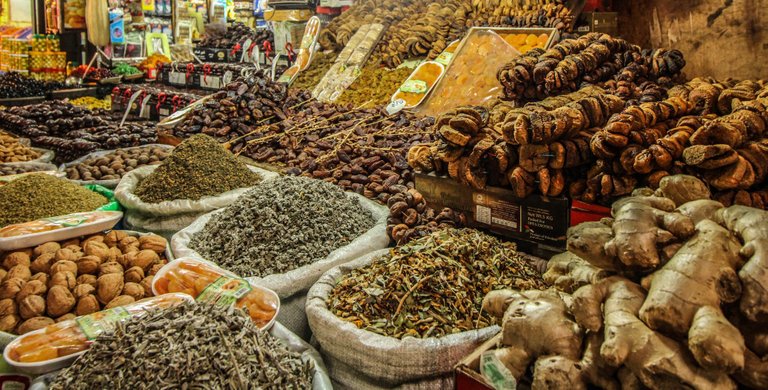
x: 38, y: 196
x: 196, y: 346
x: 309, y: 77
x: 198, y: 167
x: 375, y: 86
x: 433, y: 286
x: 11, y: 150
x: 282, y: 225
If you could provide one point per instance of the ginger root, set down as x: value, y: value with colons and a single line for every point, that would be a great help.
x: 567, y: 272
x: 682, y: 189
x: 558, y: 372
x: 586, y: 240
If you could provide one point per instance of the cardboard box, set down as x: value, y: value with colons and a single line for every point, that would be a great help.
x: 539, y: 220
x: 467, y: 371
x: 602, y: 22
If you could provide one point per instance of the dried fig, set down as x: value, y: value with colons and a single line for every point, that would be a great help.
x: 108, y: 287
x: 32, y: 306
x: 34, y: 323
x: 60, y: 301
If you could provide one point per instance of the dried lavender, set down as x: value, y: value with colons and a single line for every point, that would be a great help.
x: 282, y: 225
x: 195, y: 346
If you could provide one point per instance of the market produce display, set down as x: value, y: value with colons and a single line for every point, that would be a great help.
x: 72, y: 131
x: 188, y: 345
x: 198, y: 167
x: 115, y: 164
x: 374, y: 87
x: 92, y: 103
x: 14, y: 85
x: 633, y: 318
x: 235, y: 35
x: 15, y: 169
x: 92, y: 73
x: 308, y: 78
x: 38, y: 196
x: 281, y: 225
x: 124, y: 69
x: 57, y: 281
x: 11, y: 150
x: 432, y: 286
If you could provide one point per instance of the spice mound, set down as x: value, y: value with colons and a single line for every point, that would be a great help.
x: 38, y: 196
x: 198, y: 167
x: 282, y: 225
x: 11, y: 150
x: 197, y: 346
x: 433, y: 286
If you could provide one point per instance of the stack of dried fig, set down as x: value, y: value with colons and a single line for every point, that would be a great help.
x: 57, y: 281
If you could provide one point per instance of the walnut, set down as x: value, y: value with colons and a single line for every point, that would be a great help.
x: 98, y: 249
x: 43, y: 263
x: 34, y: 323
x: 134, y: 274
x: 133, y: 289
x: 108, y: 287
x: 65, y: 254
x: 154, y: 243
x: 20, y: 272
x: 66, y: 279
x: 60, y: 301
x: 145, y: 259
x: 32, y: 306
x: 88, y: 264
x: 42, y: 277
x: 121, y: 300
x: 114, y: 254
x: 87, y: 305
x: 82, y: 290
x: 95, y: 237
x: 76, y: 250
x: 87, y: 279
x: 33, y: 287
x: 10, y: 287
x: 131, y: 249
x: 3, y: 273
x: 66, y: 317
x: 71, y: 242
x: 7, y: 306
x: 129, y: 241
x: 112, y: 267
x: 114, y: 237
x: 146, y: 283
x: 8, y: 322
x: 156, y: 268
x: 16, y: 258
x: 63, y: 266
x: 48, y: 247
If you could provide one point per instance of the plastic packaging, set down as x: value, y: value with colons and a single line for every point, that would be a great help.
x: 29, y: 234
x: 57, y: 345
x: 470, y: 80
x: 209, y: 283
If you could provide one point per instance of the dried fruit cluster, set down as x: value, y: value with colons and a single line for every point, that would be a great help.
x: 57, y: 281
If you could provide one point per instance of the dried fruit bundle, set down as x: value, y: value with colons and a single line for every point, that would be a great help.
x: 410, y: 218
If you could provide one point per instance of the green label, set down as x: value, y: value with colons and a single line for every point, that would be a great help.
x: 225, y: 291
x: 444, y: 58
x: 95, y: 324
x: 496, y: 373
x: 68, y: 220
x: 414, y: 86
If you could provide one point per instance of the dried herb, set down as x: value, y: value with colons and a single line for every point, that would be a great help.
x: 198, y: 167
x: 38, y: 196
x: 309, y: 77
x: 433, y: 286
x: 281, y: 225
x: 196, y: 346
x: 375, y: 86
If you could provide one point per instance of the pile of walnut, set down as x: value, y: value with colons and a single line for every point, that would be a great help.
x: 669, y: 293
x: 419, y: 28
x: 58, y: 281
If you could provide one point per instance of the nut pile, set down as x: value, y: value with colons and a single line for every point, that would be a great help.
x: 38, y: 196
x: 57, y: 281
x: 281, y: 225
x: 15, y: 169
x: 410, y: 217
x: 198, y: 167
x: 433, y: 286
x: 73, y: 131
x: 309, y: 77
x: 11, y: 150
x: 187, y: 346
x: 114, y: 165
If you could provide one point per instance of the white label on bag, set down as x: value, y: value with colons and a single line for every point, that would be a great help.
x: 213, y: 82
x: 227, y: 78
x: 177, y: 78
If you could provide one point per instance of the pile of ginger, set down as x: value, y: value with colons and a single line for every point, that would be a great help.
x: 669, y: 293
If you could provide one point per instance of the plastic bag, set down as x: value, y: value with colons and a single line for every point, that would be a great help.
x: 112, y: 183
x: 167, y: 218
x: 292, y: 286
x: 360, y: 359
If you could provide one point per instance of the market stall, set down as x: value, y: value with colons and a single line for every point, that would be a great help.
x: 377, y: 194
